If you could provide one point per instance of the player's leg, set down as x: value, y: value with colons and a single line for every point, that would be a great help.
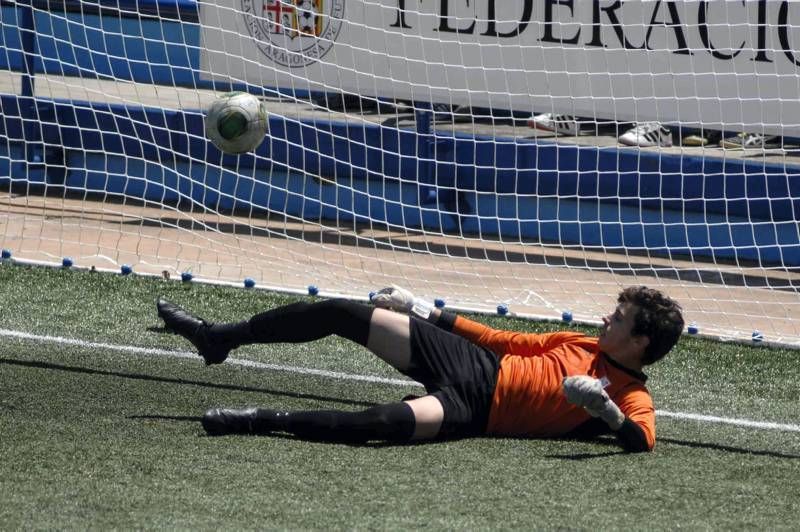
x: 418, y: 419
x: 459, y: 375
x: 428, y: 417
x: 385, y: 332
x: 390, y: 338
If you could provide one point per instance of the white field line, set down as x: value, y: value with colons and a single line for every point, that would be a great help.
x: 193, y: 355
x: 730, y: 421
x: 785, y: 427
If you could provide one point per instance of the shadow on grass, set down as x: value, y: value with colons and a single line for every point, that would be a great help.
x: 585, y: 456
x: 600, y: 440
x: 671, y: 441
x: 182, y: 382
x: 728, y: 448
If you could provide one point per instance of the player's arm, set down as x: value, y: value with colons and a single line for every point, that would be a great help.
x: 499, y: 341
x: 635, y: 431
x: 401, y: 300
x: 632, y: 437
x: 639, y: 430
x: 505, y: 342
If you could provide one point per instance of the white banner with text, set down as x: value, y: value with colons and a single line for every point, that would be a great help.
x: 731, y: 65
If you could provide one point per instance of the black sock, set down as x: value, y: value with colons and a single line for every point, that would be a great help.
x: 304, y: 322
x: 391, y: 422
x: 233, y: 334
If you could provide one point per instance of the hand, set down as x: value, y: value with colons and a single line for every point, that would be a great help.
x: 401, y: 300
x: 588, y: 393
x: 394, y: 298
x: 585, y: 391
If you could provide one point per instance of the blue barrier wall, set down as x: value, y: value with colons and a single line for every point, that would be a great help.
x: 520, y: 189
x: 146, y: 50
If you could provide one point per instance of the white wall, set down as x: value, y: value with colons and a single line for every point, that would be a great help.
x: 631, y: 60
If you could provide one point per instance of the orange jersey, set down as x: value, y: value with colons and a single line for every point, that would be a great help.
x: 528, y: 398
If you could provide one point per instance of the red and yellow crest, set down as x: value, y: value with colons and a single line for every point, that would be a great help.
x: 295, y: 18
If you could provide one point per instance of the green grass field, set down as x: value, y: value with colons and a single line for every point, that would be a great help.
x: 99, y: 430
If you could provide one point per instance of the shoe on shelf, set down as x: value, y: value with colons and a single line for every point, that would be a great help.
x: 647, y: 135
x: 442, y: 112
x: 702, y: 138
x: 558, y: 124
x: 195, y: 330
x: 751, y: 141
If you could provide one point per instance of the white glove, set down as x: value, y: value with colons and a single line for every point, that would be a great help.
x: 588, y: 392
x: 401, y: 300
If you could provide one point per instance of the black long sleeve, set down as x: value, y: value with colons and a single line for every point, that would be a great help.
x: 445, y: 320
x: 630, y: 435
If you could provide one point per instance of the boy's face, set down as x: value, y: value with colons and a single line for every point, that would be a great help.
x: 615, y: 336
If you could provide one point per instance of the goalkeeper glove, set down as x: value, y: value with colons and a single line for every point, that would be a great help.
x: 588, y: 392
x: 401, y: 300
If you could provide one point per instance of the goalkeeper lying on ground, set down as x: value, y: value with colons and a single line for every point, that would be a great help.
x: 479, y: 380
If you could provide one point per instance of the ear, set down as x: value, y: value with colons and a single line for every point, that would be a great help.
x: 641, y: 341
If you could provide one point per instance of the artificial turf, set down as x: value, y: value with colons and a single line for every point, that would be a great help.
x: 103, y: 433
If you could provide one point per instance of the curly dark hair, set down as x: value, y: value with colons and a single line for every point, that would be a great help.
x: 658, y: 317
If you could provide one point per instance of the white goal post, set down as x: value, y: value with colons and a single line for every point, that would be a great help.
x: 400, y: 149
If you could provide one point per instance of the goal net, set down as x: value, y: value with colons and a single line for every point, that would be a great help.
x: 531, y: 155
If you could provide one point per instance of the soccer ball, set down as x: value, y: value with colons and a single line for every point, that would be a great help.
x: 236, y: 122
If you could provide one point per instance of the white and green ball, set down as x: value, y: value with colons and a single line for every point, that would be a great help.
x: 236, y: 122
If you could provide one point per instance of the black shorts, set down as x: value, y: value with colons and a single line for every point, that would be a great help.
x: 462, y: 375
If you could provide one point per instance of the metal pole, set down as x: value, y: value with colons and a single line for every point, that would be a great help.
x: 424, y: 120
x: 28, y: 111
x: 28, y: 40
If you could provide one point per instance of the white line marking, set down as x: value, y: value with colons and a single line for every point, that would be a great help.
x: 785, y: 427
x: 194, y: 356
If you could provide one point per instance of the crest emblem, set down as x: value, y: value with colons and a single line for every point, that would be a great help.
x: 294, y: 33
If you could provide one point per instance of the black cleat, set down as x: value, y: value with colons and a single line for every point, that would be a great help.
x: 195, y: 330
x: 221, y: 421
